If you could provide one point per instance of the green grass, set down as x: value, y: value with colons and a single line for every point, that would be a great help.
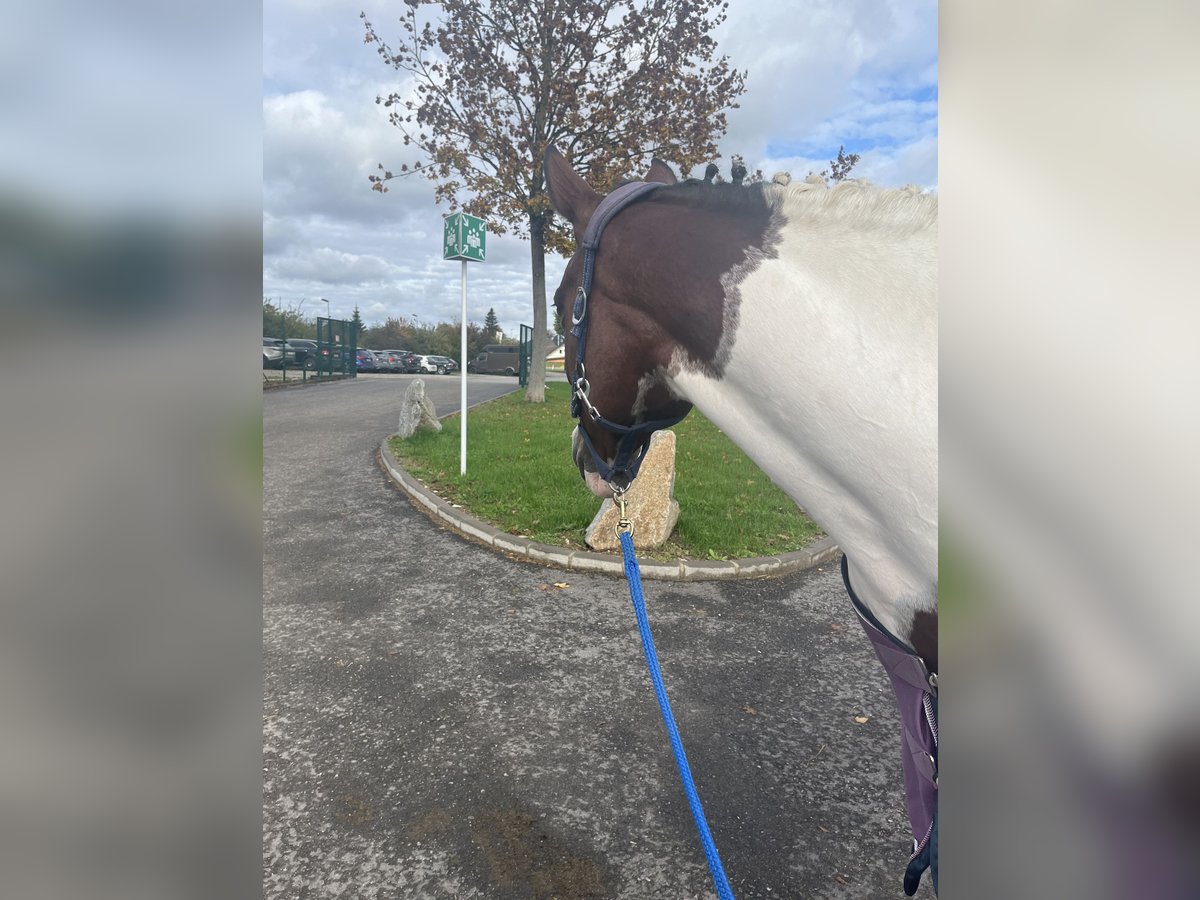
x: 520, y: 479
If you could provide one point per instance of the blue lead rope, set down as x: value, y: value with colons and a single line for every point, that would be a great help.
x: 634, y: 576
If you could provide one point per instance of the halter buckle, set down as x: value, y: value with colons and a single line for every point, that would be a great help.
x: 580, y: 308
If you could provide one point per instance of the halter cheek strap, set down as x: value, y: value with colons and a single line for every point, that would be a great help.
x: 635, y: 439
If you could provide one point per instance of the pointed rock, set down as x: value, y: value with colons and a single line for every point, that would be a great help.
x: 416, y: 411
x: 648, y: 503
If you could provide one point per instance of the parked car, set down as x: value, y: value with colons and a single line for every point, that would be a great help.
x: 272, y: 353
x: 410, y: 363
x: 391, y: 360
x: 328, y: 358
x: 497, y: 359
x: 445, y: 365
x: 421, y: 365
x: 365, y: 360
x: 302, y: 352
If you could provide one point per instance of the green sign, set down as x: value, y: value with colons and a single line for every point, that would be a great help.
x: 463, y: 237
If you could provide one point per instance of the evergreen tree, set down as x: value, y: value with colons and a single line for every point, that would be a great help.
x: 490, y: 324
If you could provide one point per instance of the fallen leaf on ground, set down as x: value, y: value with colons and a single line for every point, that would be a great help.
x: 823, y: 828
x: 862, y: 720
x: 561, y: 585
x: 750, y: 709
x: 841, y: 879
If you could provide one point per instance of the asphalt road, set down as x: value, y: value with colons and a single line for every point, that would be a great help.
x: 443, y: 722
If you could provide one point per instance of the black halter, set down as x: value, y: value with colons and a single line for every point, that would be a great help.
x: 635, y: 439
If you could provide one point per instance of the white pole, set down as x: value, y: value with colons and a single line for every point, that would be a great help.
x: 462, y: 373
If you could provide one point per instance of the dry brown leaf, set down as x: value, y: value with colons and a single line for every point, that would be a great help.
x: 841, y: 879
x: 561, y: 585
x: 750, y: 709
x: 862, y: 720
x: 823, y: 828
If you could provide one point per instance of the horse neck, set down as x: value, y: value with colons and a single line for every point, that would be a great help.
x: 829, y: 383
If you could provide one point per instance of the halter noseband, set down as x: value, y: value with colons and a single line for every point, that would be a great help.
x: 635, y: 439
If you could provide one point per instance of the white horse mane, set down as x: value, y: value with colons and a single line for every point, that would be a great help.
x: 856, y: 203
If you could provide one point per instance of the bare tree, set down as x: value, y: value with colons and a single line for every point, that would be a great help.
x: 610, y: 82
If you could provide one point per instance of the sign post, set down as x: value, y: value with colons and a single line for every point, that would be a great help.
x: 463, y: 237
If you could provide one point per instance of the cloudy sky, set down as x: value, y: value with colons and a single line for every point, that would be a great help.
x: 821, y: 73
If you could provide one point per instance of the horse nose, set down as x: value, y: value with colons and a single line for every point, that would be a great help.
x: 582, y: 457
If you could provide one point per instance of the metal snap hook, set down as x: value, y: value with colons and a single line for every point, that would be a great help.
x: 624, y: 524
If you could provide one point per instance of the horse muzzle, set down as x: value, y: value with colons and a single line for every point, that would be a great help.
x: 587, y: 467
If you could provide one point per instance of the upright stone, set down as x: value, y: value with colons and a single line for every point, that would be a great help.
x: 648, y: 503
x: 416, y: 411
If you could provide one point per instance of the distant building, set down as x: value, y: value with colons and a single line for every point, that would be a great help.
x: 556, y: 359
x: 499, y: 335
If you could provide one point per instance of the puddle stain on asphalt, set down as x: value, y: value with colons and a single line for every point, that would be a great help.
x: 522, y: 853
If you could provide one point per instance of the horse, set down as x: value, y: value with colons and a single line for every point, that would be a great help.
x: 801, y: 319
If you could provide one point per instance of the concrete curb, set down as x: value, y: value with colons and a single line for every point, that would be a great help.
x: 448, y: 515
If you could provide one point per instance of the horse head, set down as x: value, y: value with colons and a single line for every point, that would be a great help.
x: 620, y: 394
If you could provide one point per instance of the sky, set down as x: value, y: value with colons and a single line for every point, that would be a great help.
x: 820, y: 74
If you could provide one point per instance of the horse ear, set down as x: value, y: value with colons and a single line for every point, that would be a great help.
x: 660, y: 172
x: 571, y: 196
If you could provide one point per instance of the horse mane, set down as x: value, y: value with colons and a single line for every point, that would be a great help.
x: 853, y: 203
x: 858, y: 203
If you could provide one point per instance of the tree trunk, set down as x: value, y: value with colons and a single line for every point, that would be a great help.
x: 536, y: 391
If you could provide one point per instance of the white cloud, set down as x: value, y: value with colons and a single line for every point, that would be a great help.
x: 328, y: 266
x: 822, y: 73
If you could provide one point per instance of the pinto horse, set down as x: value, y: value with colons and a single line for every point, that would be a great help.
x: 802, y: 321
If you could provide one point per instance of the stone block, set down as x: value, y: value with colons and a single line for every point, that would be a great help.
x: 648, y: 502
x: 583, y: 561
x: 758, y: 565
x: 707, y: 569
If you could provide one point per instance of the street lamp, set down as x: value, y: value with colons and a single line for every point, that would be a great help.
x: 326, y: 302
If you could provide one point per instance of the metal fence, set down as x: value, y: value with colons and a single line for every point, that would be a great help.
x: 334, y: 354
x: 337, y: 345
x: 526, y: 354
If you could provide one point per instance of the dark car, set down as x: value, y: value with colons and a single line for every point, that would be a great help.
x: 445, y: 365
x: 303, y: 353
x: 365, y: 360
x: 410, y: 363
x: 389, y: 360
x: 401, y: 359
x: 331, y: 358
